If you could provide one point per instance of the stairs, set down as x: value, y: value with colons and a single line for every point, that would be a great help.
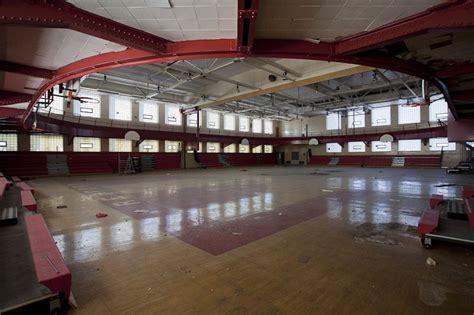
x: 57, y: 164
x: 398, y: 161
x: 334, y: 161
x: 148, y: 162
x: 223, y: 160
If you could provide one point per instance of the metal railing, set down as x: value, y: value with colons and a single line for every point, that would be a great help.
x: 136, y: 125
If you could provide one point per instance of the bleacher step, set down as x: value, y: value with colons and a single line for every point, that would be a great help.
x: 398, y: 161
x: 334, y: 161
x: 456, y: 210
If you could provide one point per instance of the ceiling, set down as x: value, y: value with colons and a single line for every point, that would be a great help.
x: 229, y: 84
x: 329, y: 19
x: 184, y: 20
x: 203, y: 83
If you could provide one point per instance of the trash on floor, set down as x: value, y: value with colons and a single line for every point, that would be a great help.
x: 61, y: 207
x: 430, y: 261
x: 100, y: 215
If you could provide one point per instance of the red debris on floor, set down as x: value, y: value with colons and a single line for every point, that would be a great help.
x: 100, y: 215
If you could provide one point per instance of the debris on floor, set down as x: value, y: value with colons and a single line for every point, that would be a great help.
x: 430, y: 261
x: 100, y: 215
x: 382, y: 233
x: 445, y: 185
x: 304, y: 259
x: 243, y: 170
x: 61, y: 207
x: 327, y: 190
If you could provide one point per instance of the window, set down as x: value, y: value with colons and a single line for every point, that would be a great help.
x: 268, y: 148
x: 120, y: 145
x: 333, y: 148
x: 379, y: 146
x: 84, y: 144
x: 149, y: 146
x: 244, y: 148
x: 408, y: 114
x: 46, y: 143
x: 231, y: 148
x: 148, y: 112
x: 8, y: 142
x: 381, y: 116
x: 257, y: 149
x: 229, y: 122
x: 244, y: 124
x: 268, y: 127
x: 213, y: 120
x: 192, y: 119
x: 439, y: 110
x: 409, y: 145
x: 257, y: 126
x: 213, y: 147
x: 172, y: 115
x: 442, y: 144
x: 333, y: 121
x: 90, y: 106
x: 172, y: 146
x: 120, y: 108
x: 356, y: 118
x: 356, y: 146
x: 56, y: 106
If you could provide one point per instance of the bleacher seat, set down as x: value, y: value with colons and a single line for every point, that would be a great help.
x: 469, y: 206
x: 435, y: 200
x: 28, y: 200
x: 25, y: 186
x: 428, y: 222
x: 467, y: 191
x: 51, y: 271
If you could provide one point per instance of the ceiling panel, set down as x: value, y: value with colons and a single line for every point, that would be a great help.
x: 50, y: 48
x: 330, y: 19
x: 186, y: 20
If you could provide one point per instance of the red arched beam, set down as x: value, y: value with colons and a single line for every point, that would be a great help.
x: 60, y: 14
x: 452, y: 15
x: 202, y: 49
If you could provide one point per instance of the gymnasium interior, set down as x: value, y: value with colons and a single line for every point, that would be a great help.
x: 236, y: 157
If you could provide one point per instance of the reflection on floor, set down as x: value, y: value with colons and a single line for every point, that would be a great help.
x: 268, y: 240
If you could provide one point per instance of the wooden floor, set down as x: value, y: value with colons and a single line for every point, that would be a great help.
x: 275, y: 240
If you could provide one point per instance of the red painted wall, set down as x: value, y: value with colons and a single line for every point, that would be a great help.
x: 379, y: 160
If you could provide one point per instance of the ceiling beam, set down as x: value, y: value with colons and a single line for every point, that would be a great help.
x: 286, y: 86
x: 246, y: 20
x: 10, y: 98
x: 451, y: 15
x: 13, y: 67
x: 61, y: 14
